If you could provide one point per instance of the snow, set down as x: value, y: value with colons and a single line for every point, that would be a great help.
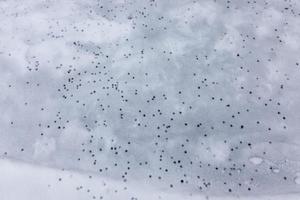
x: 149, y: 99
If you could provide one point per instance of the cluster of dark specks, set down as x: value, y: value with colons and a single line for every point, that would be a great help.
x: 178, y: 120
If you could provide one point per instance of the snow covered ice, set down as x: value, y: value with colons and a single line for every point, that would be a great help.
x: 149, y: 99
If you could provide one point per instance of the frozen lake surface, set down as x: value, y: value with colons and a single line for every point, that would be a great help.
x: 149, y: 99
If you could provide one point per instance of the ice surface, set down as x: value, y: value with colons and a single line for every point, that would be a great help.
x: 149, y: 99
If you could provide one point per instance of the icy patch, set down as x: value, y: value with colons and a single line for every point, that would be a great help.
x: 297, y: 178
x: 256, y: 160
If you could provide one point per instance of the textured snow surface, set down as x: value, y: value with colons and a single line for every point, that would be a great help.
x: 25, y: 181
x: 149, y: 99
